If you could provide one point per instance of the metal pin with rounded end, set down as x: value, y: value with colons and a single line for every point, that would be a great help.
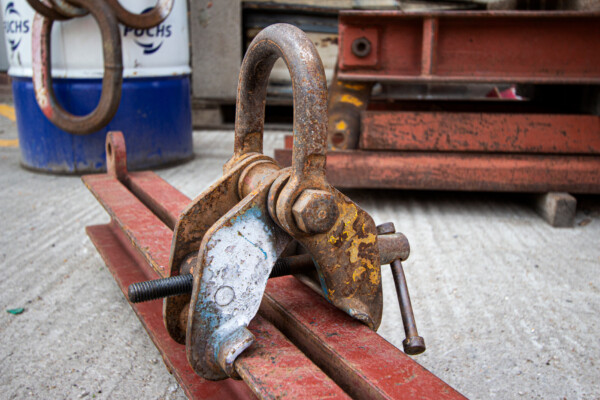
x: 413, y: 344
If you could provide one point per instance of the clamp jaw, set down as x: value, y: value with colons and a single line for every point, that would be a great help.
x: 231, y: 236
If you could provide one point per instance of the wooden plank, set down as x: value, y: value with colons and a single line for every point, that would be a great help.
x: 558, y: 209
x: 485, y: 132
x: 460, y: 171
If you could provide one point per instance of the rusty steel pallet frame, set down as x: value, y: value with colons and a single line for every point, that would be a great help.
x: 492, y: 46
x: 305, y: 347
x: 480, y: 132
x: 383, y: 145
x: 459, y: 171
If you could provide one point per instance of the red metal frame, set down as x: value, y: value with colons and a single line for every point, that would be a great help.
x: 393, y: 146
x: 129, y: 267
x: 521, y: 46
x: 459, y: 171
x: 294, y: 325
x: 483, y: 132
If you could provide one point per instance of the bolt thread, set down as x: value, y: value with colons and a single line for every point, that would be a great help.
x: 156, y: 289
x: 281, y: 268
x: 184, y: 284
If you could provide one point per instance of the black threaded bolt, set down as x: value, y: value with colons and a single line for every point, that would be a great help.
x: 183, y: 284
x: 159, y: 288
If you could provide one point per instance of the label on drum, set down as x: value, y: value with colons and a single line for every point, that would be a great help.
x: 77, y: 44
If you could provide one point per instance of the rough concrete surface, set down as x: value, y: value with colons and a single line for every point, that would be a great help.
x: 509, y: 307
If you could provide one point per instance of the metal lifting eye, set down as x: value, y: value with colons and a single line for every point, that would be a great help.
x: 107, y: 14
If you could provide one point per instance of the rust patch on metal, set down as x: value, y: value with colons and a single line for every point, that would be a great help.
x: 348, y: 262
x: 533, y: 173
x: 480, y: 132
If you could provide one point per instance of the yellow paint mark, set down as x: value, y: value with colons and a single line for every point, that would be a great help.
x: 349, y: 214
x: 340, y: 126
x: 348, y: 98
x: 8, y: 112
x: 354, y: 86
x: 9, y: 142
x: 357, y: 273
x: 374, y: 277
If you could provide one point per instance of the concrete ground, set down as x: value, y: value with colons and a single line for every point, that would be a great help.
x: 509, y: 307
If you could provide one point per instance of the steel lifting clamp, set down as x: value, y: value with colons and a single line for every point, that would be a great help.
x: 233, y: 234
x: 215, y: 254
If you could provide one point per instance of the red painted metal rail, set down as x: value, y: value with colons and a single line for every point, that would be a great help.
x: 305, y: 347
x: 460, y: 171
x: 521, y: 46
x: 395, y: 146
x: 128, y: 267
x: 484, y: 132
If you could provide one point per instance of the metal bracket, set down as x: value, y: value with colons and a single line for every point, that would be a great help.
x: 194, y: 222
x: 235, y: 259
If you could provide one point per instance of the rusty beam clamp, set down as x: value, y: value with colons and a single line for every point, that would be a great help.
x: 232, y: 235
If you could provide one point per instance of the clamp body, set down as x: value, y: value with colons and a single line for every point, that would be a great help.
x: 232, y: 235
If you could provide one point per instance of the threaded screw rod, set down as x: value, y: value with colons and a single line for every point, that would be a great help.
x: 183, y: 284
x: 159, y: 288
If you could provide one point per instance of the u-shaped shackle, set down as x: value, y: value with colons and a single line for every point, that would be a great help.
x: 309, y: 93
x: 112, y: 80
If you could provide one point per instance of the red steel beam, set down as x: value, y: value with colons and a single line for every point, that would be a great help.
x: 460, y: 171
x: 352, y: 352
x: 492, y: 46
x: 484, y: 132
x: 363, y: 363
x: 128, y: 267
x: 147, y: 233
x: 163, y: 199
x: 275, y: 368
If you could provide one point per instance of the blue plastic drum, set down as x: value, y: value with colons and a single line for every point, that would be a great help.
x: 155, y: 109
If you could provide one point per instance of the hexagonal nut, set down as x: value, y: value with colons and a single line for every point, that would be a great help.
x: 387, y: 228
x: 315, y: 211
